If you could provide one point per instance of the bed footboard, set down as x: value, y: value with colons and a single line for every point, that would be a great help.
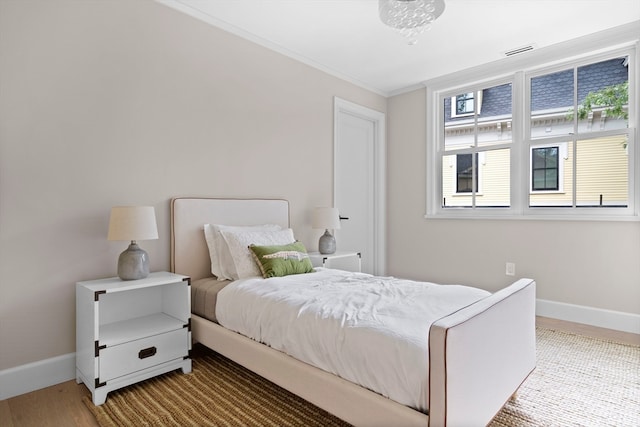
x: 480, y: 355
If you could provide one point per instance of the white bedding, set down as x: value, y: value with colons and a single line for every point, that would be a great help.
x: 373, y: 331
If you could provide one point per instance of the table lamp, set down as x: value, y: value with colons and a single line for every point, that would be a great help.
x: 133, y: 223
x: 327, y: 218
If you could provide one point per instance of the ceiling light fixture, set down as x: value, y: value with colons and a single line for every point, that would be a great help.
x: 410, y: 17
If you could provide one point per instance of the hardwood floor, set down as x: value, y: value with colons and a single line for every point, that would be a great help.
x: 58, y: 405
x: 61, y: 404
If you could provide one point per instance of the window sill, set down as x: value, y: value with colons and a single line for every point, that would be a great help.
x: 495, y: 214
x: 535, y: 192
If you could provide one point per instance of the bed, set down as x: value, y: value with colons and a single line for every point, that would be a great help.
x: 478, y: 355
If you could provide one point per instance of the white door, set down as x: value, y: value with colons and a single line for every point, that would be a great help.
x: 359, y: 183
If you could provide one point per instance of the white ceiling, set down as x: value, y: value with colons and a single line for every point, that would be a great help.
x: 347, y: 39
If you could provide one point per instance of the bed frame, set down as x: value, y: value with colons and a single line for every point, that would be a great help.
x: 479, y: 356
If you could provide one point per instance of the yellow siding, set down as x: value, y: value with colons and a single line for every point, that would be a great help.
x: 494, y: 180
x: 601, y: 168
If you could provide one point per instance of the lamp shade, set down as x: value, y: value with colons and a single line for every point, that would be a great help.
x: 132, y: 223
x: 325, y: 218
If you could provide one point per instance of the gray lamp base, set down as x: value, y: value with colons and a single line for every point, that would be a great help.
x: 327, y: 243
x: 133, y: 263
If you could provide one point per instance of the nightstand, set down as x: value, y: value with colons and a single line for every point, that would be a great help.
x: 129, y: 331
x: 350, y: 261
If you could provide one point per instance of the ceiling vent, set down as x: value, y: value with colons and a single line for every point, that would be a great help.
x: 519, y: 50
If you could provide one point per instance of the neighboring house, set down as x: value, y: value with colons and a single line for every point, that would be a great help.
x: 601, y: 165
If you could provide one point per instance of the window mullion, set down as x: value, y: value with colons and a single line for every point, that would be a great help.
x: 520, y: 127
x: 474, y: 158
x: 574, y: 161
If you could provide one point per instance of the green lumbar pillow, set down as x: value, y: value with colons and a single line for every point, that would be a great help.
x: 282, y: 260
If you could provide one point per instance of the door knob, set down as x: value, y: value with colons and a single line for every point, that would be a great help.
x: 343, y: 218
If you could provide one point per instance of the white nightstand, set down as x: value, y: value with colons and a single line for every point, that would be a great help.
x: 128, y: 331
x: 350, y: 261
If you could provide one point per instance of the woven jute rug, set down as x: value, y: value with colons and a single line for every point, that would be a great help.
x: 578, y: 381
x: 218, y: 392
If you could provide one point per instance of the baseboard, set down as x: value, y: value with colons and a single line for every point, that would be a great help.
x: 34, y: 376
x: 620, y: 321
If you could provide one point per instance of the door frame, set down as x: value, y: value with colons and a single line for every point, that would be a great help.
x: 379, y: 172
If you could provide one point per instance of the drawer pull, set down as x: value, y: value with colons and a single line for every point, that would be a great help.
x: 147, y: 352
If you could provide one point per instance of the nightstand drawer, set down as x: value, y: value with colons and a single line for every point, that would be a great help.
x: 136, y: 355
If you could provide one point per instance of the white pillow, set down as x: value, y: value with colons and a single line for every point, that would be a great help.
x: 238, y: 243
x: 221, y: 261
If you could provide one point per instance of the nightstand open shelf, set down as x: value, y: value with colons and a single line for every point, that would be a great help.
x: 131, y: 329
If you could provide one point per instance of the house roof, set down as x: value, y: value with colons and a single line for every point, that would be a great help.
x: 550, y: 91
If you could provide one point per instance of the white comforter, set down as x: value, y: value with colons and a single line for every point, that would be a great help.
x: 372, y: 331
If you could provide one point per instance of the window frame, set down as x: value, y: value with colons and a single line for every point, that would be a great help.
x: 532, y: 164
x: 562, y: 156
x: 520, y: 174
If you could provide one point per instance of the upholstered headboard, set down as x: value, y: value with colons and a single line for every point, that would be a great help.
x: 189, y: 253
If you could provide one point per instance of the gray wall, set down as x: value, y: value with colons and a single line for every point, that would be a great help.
x: 109, y: 103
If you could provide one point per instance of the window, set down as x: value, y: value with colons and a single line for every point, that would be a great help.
x: 464, y: 104
x: 547, y: 175
x: 553, y: 141
x: 545, y: 169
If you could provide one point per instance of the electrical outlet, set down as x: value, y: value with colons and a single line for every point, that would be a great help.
x: 511, y: 269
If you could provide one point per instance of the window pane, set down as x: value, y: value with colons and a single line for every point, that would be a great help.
x: 551, y: 103
x: 459, y: 131
x: 539, y: 158
x: 603, y: 95
x: 492, y: 180
x: 494, y: 116
x: 551, y: 157
x: 602, y: 172
x: 489, y: 123
x: 451, y: 180
x: 551, y: 179
x: 552, y: 176
x: 538, y: 179
x: 495, y: 172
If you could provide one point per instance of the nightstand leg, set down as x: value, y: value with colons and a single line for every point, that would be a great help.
x: 186, y: 366
x: 99, y: 397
